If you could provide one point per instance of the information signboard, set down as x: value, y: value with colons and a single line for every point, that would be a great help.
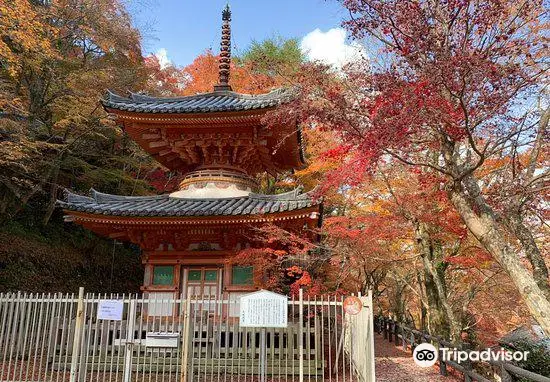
x: 110, y: 310
x: 264, y: 309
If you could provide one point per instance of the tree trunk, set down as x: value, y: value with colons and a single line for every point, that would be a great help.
x: 52, y: 194
x: 483, y: 225
x: 441, y: 319
x: 540, y: 270
x: 437, y: 321
x: 398, y: 305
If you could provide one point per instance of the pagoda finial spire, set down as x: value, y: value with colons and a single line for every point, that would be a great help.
x: 225, y: 52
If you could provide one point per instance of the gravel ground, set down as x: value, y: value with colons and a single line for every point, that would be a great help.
x: 395, y: 365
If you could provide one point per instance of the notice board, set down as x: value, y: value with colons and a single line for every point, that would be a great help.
x: 264, y: 309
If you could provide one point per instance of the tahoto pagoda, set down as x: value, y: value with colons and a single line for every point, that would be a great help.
x: 218, y: 142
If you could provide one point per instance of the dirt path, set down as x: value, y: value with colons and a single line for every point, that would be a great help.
x: 395, y: 365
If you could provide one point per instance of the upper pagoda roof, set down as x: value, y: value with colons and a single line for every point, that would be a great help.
x: 220, y: 129
x: 166, y: 206
x: 216, y: 101
x: 211, y: 129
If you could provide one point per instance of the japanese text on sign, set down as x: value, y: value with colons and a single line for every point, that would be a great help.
x: 110, y: 310
x: 264, y: 309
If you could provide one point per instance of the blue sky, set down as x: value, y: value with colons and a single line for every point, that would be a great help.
x: 183, y: 29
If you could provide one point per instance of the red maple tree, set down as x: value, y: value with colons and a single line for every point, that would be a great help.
x: 453, y: 88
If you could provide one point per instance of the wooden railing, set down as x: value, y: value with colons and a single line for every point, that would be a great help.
x: 396, y: 332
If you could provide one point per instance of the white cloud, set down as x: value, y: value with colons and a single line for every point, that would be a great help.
x: 331, y: 47
x: 162, y: 56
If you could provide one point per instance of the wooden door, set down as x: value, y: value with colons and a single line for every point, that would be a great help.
x: 203, y: 283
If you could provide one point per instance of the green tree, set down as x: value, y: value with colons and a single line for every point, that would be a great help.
x: 274, y: 56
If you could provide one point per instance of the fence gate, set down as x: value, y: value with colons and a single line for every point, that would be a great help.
x: 54, y: 337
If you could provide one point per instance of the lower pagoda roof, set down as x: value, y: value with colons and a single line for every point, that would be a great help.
x: 167, y: 206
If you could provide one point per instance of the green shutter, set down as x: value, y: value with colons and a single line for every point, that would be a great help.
x: 163, y: 275
x: 242, y: 275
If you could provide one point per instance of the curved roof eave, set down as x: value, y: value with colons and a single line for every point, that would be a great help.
x: 165, y: 206
x: 214, y: 102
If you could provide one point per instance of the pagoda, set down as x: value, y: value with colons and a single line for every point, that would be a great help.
x: 219, y: 143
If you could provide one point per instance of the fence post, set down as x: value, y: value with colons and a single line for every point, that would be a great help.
x: 390, y: 330
x: 396, y: 332
x: 403, y: 337
x: 186, y: 339
x: 504, y: 375
x: 301, y: 334
x: 130, y: 338
x: 442, y: 364
x: 466, y: 364
x: 370, y: 345
x: 385, y: 328
x: 79, y: 321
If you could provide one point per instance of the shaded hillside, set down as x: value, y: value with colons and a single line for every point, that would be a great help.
x: 61, y: 257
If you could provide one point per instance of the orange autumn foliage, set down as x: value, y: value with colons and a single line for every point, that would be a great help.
x: 202, y: 74
x: 24, y: 30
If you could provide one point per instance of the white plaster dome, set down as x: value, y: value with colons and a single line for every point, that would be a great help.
x: 214, y: 184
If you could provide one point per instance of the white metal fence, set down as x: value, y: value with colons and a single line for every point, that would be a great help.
x: 55, y: 337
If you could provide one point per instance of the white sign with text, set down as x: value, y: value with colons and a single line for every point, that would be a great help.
x: 110, y: 310
x: 264, y: 309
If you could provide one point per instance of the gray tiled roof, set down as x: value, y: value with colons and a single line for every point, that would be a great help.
x: 166, y: 206
x: 217, y: 101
